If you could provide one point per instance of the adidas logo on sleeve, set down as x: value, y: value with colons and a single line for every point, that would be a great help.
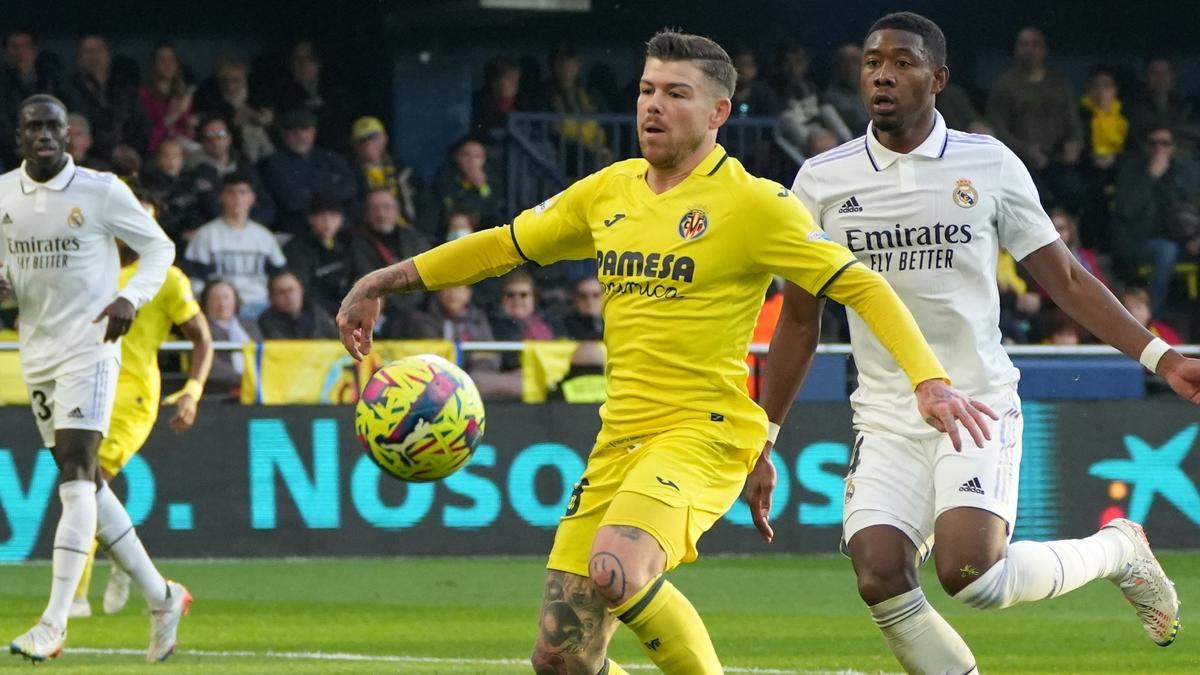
x: 851, y: 206
x: 972, y: 485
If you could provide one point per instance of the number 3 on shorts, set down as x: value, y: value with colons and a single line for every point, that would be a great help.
x: 40, y: 409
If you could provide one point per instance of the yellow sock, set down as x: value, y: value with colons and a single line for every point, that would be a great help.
x: 670, y: 630
x: 85, y: 581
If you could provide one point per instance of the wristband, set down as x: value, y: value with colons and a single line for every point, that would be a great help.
x: 772, y: 432
x: 191, y: 388
x: 1153, y: 353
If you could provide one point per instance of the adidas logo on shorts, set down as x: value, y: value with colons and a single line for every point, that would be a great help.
x: 851, y: 206
x: 972, y: 485
x: 75, y: 414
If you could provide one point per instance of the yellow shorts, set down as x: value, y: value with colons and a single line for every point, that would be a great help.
x: 673, y: 485
x: 134, y: 414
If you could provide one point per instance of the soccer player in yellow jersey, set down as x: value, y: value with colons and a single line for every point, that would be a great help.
x: 686, y: 242
x: 139, y: 386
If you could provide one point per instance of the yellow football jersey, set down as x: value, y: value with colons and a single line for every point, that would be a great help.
x: 684, y: 275
x: 172, y: 305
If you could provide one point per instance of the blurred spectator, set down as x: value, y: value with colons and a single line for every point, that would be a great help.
x: 175, y: 189
x: 751, y: 98
x: 384, y: 240
x: 464, y: 184
x: 306, y: 87
x: 1035, y: 112
x: 843, y: 92
x: 126, y: 162
x: 1157, y: 213
x: 166, y: 97
x: 25, y: 73
x: 801, y: 109
x: 320, y: 258
x: 227, y: 95
x: 1105, y: 130
x: 1137, y: 301
x: 1019, y: 306
x: 586, y: 142
x: 377, y: 169
x: 1058, y: 328
x: 497, y: 98
x: 236, y: 248
x: 450, y: 315
x: 291, y: 315
x: 216, y: 159
x: 460, y: 223
x: 586, y: 320
x: 819, y: 140
x: 517, y: 317
x: 1067, y: 225
x: 1104, y: 125
x: 109, y: 104
x: 79, y: 144
x: 958, y: 111
x: 301, y: 169
x: 1160, y: 105
x: 222, y: 307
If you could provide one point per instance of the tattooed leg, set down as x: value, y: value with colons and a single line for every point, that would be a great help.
x: 624, y: 559
x: 575, y: 627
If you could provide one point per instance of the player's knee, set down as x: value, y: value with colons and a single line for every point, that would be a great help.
x: 624, y: 559
x: 883, y: 582
x: 957, y: 573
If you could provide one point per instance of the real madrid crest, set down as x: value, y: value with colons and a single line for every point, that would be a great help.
x: 75, y: 217
x: 849, y: 491
x: 964, y: 194
x: 693, y: 224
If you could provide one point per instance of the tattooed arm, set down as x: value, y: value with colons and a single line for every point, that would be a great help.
x: 362, y: 305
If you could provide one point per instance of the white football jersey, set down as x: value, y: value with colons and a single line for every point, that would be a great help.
x: 57, y: 243
x: 932, y: 223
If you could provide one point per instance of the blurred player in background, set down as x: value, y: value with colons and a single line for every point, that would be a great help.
x: 686, y: 242
x: 929, y: 208
x: 138, y: 390
x: 58, y: 229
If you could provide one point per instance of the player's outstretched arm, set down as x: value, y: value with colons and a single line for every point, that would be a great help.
x: 792, y: 348
x: 456, y: 263
x: 187, y: 399
x: 943, y: 407
x: 1087, y: 301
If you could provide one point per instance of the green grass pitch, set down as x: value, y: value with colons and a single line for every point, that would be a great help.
x: 454, y: 615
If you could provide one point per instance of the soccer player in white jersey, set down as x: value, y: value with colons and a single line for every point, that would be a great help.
x: 58, y: 229
x: 929, y: 208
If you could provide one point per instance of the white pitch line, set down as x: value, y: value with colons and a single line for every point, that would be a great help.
x: 398, y: 658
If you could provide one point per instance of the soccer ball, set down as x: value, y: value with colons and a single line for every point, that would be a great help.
x: 419, y: 418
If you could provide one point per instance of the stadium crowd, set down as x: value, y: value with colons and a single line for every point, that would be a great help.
x: 278, y: 192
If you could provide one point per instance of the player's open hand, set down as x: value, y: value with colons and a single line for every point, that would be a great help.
x: 120, y: 313
x: 1183, y: 375
x: 185, y: 412
x: 356, y: 319
x: 760, y: 484
x: 944, y: 408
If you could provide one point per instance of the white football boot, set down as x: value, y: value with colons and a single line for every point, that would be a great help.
x: 116, y: 593
x: 1147, y: 587
x: 40, y: 643
x: 164, y: 622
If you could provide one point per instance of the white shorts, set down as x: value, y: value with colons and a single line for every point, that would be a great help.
x: 907, y: 483
x: 82, y: 399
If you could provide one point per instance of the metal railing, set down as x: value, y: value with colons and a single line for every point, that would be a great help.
x: 545, y: 152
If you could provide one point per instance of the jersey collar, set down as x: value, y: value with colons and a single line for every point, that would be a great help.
x: 711, y: 162
x: 58, y: 183
x: 933, y: 147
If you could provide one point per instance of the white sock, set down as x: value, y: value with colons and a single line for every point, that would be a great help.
x: 1040, y: 570
x: 72, y: 541
x: 118, y: 537
x: 920, y: 638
